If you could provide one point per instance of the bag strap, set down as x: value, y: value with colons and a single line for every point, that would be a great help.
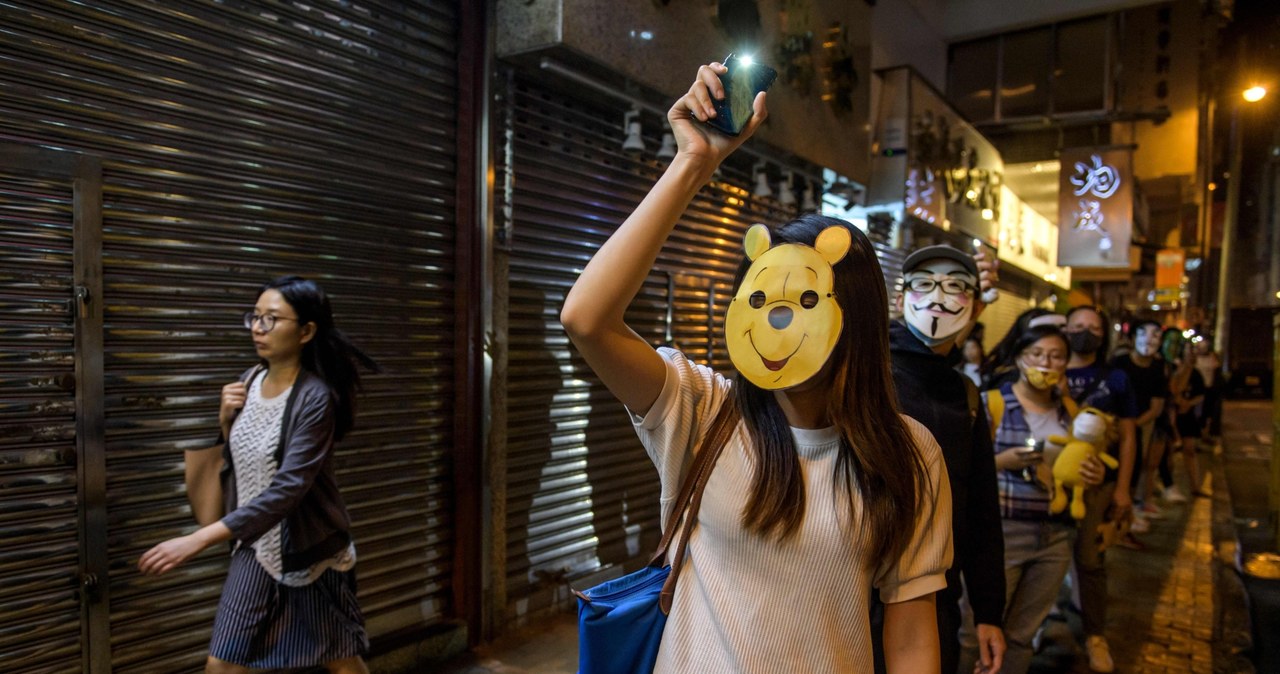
x: 690, y: 497
x: 995, y: 405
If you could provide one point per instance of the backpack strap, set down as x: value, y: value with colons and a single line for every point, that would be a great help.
x: 1073, y: 408
x: 995, y: 406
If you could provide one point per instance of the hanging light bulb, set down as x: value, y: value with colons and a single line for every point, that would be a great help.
x: 631, y: 126
x: 787, y: 196
x: 807, y: 202
x: 668, y: 149
x: 762, y: 180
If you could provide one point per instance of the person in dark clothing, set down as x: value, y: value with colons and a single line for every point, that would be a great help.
x: 1093, y: 384
x: 1148, y: 374
x: 940, y: 304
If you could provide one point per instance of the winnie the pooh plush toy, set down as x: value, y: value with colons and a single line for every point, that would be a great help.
x: 1088, y: 433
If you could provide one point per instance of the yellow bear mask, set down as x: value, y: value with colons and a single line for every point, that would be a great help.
x: 784, y: 321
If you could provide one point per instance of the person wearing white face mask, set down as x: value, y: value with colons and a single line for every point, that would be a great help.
x: 1037, y: 544
x: 1147, y: 373
x: 940, y: 302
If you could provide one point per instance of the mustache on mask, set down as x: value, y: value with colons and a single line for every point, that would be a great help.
x: 939, y: 306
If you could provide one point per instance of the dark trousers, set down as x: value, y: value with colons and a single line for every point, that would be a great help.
x: 948, y: 604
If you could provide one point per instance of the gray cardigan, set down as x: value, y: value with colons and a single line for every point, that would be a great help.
x: 304, y: 491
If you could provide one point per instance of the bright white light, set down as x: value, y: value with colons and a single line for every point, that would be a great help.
x: 1255, y: 94
x: 1186, y: 334
x: 988, y: 214
x: 747, y: 60
x: 977, y: 243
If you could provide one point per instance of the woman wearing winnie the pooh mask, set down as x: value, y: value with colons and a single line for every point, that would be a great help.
x: 823, y: 490
x: 1037, y: 543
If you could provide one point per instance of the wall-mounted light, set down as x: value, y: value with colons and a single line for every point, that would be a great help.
x: 808, y: 204
x: 762, y: 180
x: 668, y: 149
x: 787, y: 197
x: 631, y: 126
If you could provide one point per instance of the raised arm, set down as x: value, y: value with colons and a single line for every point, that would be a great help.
x: 593, y: 311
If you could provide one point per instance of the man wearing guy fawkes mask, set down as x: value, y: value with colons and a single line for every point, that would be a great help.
x: 1149, y: 376
x: 940, y: 303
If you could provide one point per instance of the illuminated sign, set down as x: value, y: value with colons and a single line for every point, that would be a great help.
x: 1095, y: 207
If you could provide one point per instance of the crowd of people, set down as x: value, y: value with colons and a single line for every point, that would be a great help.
x: 889, y: 498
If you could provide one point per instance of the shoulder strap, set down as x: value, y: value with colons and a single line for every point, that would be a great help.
x: 690, y: 496
x: 973, y: 396
x: 1073, y: 408
x: 995, y: 406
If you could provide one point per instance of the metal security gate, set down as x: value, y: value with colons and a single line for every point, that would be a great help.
x: 581, y: 495
x: 51, y: 460
x: 243, y: 139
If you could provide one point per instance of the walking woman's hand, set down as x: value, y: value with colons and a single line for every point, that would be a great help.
x: 694, y: 139
x: 170, y: 554
x: 233, y: 397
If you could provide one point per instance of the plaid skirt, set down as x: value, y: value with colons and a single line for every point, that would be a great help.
x: 262, y: 624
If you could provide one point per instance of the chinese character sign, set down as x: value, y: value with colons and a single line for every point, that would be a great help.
x: 1095, y: 207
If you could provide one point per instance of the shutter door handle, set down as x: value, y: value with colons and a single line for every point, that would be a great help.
x: 82, y: 301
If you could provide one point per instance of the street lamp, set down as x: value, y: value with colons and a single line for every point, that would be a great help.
x: 1222, y: 323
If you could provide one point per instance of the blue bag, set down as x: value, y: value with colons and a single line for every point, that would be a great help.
x: 620, y: 621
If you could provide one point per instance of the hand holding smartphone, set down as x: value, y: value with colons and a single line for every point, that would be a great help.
x: 744, y: 80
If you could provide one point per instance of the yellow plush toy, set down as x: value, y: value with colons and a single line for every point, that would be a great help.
x: 1088, y: 433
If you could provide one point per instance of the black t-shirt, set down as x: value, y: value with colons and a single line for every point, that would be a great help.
x: 1149, y: 383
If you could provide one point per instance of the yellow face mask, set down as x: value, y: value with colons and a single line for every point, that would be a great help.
x: 1041, y: 378
x: 784, y: 321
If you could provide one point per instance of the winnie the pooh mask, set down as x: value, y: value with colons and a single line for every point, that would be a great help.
x: 784, y: 321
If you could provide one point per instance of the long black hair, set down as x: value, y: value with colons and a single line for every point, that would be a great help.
x: 878, y: 457
x: 1004, y: 350
x: 329, y: 355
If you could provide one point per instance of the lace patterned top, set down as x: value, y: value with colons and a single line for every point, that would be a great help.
x: 254, y: 438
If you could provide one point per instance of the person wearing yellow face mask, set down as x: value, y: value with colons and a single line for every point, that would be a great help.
x: 1037, y: 544
x: 822, y: 491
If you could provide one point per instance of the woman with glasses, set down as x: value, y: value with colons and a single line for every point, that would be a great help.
x: 1037, y: 545
x: 290, y: 596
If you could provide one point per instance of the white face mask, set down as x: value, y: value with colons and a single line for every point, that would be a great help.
x: 1147, y: 342
x: 936, y: 316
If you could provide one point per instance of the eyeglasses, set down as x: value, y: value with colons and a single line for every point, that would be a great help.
x: 1038, y: 356
x: 950, y: 286
x: 267, y: 320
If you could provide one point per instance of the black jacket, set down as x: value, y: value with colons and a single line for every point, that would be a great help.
x: 935, y: 394
x: 304, y: 491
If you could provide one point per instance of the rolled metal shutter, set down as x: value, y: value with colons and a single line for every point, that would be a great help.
x: 582, y: 496
x: 1000, y: 316
x: 39, y: 512
x: 242, y: 140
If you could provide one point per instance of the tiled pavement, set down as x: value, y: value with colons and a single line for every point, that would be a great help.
x: 1175, y: 608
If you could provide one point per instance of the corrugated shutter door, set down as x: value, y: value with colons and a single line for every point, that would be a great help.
x: 39, y: 521
x: 999, y: 316
x: 242, y: 140
x: 581, y: 493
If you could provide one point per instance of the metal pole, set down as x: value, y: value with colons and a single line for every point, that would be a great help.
x: 1223, y: 308
x: 1275, y: 428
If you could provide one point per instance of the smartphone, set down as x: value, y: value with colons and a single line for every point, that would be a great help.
x: 745, y: 79
x: 990, y: 252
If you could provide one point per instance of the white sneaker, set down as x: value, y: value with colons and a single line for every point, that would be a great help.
x: 1099, y: 654
x: 1174, y: 495
x: 1140, y: 525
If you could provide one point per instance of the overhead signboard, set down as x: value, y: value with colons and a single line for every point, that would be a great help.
x: 1095, y: 207
x: 930, y: 164
x: 1170, y: 264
